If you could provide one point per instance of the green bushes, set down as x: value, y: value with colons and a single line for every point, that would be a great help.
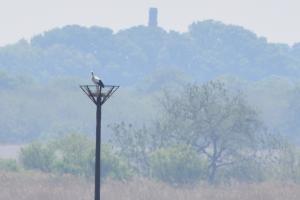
x: 113, y: 165
x: 73, y: 154
x: 244, y: 171
x: 9, y: 165
x: 173, y: 164
x: 177, y: 165
x: 37, y: 156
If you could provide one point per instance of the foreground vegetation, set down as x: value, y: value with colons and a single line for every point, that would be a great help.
x: 208, y: 133
x: 36, y: 186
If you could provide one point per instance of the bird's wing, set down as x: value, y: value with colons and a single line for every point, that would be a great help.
x: 97, y: 78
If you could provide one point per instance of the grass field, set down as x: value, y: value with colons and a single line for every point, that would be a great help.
x: 34, y: 186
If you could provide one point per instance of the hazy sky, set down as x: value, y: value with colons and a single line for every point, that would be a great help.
x: 278, y: 20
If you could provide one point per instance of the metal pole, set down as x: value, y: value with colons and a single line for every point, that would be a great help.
x: 99, y: 101
x: 98, y: 149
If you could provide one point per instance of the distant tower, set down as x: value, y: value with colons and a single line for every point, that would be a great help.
x: 152, y: 17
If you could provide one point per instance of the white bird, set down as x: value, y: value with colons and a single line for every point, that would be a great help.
x: 97, y: 80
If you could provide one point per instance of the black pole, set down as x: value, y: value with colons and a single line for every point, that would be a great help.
x: 92, y: 91
x: 98, y: 149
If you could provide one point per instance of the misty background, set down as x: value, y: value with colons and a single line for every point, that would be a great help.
x: 275, y: 19
x: 208, y: 94
x: 40, y: 78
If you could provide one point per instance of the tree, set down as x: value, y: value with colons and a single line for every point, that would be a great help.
x: 217, y: 122
x: 292, y: 116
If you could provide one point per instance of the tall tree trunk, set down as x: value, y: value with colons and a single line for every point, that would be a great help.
x: 212, y: 174
x: 213, y: 165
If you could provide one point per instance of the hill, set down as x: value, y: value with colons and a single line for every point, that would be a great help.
x: 207, y: 50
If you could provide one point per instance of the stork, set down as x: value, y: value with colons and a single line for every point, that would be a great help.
x: 97, y: 80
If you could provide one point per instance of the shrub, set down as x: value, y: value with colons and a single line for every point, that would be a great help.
x: 37, y: 156
x: 114, y: 166
x: 73, y: 154
x: 9, y: 165
x: 244, y: 171
x: 76, y: 155
x: 177, y: 165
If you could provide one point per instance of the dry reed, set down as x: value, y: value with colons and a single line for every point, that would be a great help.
x: 35, y: 186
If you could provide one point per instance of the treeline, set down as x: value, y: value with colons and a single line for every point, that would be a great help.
x: 39, y: 78
x: 205, y: 132
x: 206, y: 50
x: 40, y: 111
